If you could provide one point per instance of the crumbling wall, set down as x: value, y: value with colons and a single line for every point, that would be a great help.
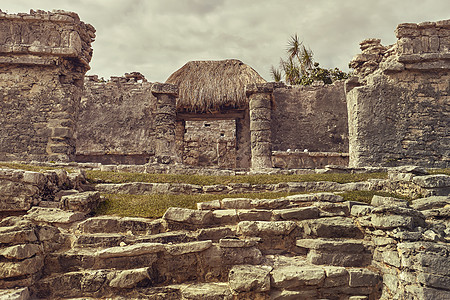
x: 43, y: 59
x: 399, y: 105
x: 116, y: 122
x: 210, y: 143
x: 311, y: 117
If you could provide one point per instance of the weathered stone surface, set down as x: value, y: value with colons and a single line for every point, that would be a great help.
x: 325, y: 133
x: 432, y: 181
x: 430, y: 202
x: 21, y: 251
x: 131, y: 250
x: 246, y: 278
x: 254, y: 228
x: 184, y: 248
x: 254, y: 215
x: 129, y: 278
x: 348, y: 245
x: 392, y: 221
x: 380, y: 200
x: 225, y: 216
x: 335, y: 276
x: 21, y: 268
x: 54, y: 215
x: 83, y: 202
x: 299, y: 213
x: 185, y: 215
x: 207, y: 291
x: 17, y: 235
x: 334, y: 227
x: 236, y: 203
x: 363, y: 277
x: 291, y: 277
x: 15, y: 294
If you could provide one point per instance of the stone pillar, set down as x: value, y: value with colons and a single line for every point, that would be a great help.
x: 180, y: 129
x: 165, y: 122
x: 260, y: 104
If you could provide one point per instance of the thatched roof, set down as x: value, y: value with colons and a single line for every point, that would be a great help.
x: 208, y: 86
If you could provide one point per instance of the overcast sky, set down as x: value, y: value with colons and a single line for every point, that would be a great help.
x: 157, y: 37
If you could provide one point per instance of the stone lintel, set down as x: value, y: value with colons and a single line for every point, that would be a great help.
x: 165, y: 88
x: 262, y: 88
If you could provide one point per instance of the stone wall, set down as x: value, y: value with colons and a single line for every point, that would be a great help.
x: 43, y: 59
x: 116, y: 122
x: 399, y: 110
x: 311, y: 117
x: 312, y: 160
x: 208, y: 143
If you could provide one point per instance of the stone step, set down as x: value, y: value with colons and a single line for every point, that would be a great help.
x: 331, y: 227
x: 337, y: 252
x: 178, y: 262
x: 136, y: 283
x: 104, y: 240
x: 280, y: 203
x: 113, y: 224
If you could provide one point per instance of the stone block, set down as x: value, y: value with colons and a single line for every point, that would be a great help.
x: 15, y: 294
x: 22, y: 251
x: 432, y: 181
x: 334, y: 227
x: 430, y: 202
x: 256, y: 228
x: 85, y: 202
x: 295, y: 277
x: 254, y: 215
x: 131, y: 250
x: 225, y: 216
x: 237, y: 203
x: 207, y: 291
x: 299, y: 213
x: 129, y: 278
x: 392, y: 221
x: 21, y: 268
x: 189, y: 216
x: 380, y: 200
x: 54, y: 215
x: 363, y: 278
x: 335, y: 276
x: 184, y: 248
x: 247, y: 278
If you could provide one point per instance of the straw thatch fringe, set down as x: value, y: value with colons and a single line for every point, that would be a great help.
x: 207, y: 86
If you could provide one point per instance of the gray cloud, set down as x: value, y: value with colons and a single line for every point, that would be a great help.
x: 156, y: 37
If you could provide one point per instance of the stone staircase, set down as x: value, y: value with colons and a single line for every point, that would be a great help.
x: 298, y: 247
x: 305, y: 246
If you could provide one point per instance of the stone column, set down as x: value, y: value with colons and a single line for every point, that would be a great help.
x: 165, y: 122
x: 180, y: 129
x: 260, y: 104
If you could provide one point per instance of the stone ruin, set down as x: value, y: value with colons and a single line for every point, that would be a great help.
x: 314, y: 245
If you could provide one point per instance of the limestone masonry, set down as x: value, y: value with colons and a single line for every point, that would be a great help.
x: 399, y: 105
x: 43, y: 59
x: 392, y: 116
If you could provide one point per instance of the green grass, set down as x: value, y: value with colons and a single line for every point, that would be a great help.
x: 124, y: 177
x: 26, y: 167
x: 154, y: 206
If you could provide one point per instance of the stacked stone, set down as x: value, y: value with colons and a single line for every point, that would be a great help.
x: 115, y: 123
x: 425, y: 37
x: 411, y: 245
x: 398, y: 112
x: 372, y: 54
x: 46, y: 56
x: 260, y: 106
x: 165, y: 122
